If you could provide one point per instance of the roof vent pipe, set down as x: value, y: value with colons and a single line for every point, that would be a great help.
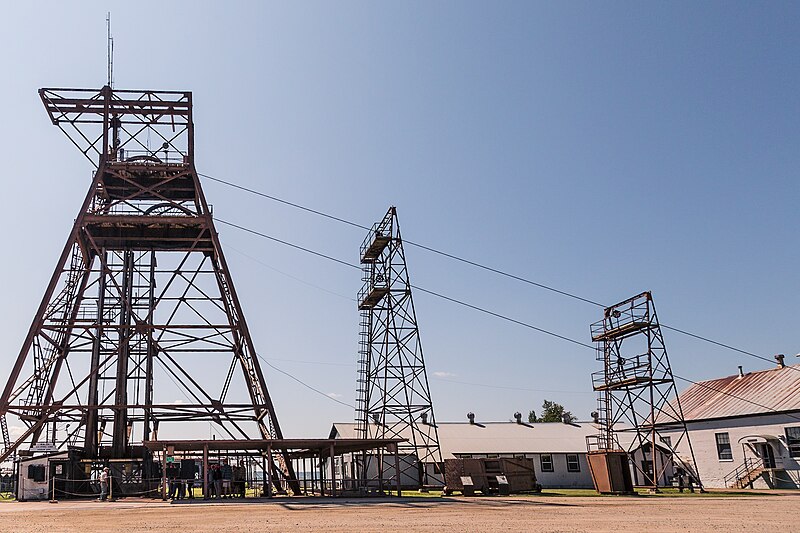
x: 741, y: 374
x: 424, y: 418
x: 471, y: 417
x: 518, y: 417
x: 779, y: 359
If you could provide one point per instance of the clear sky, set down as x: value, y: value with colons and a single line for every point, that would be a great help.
x: 602, y: 148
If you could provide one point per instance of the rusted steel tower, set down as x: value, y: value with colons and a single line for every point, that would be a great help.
x: 638, y: 401
x: 140, y: 329
x: 394, y: 399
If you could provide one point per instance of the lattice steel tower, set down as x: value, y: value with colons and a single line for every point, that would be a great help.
x: 638, y: 400
x: 394, y: 399
x: 140, y: 330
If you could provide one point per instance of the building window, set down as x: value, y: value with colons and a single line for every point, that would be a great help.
x: 546, y: 462
x: 573, y: 465
x: 724, y: 451
x: 667, y: 442
x: 793, y: 441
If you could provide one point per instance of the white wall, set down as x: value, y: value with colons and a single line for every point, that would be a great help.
x: 713, y: 470
x: 29, y: 489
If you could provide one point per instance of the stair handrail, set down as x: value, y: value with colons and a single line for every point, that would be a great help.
x: 748, y: 466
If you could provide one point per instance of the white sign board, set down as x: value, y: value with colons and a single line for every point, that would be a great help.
x: 44, y: 447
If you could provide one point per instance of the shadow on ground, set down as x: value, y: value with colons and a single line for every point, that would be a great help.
x: 316, y: 503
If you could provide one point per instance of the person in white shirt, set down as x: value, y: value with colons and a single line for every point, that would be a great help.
x: 104, y: 480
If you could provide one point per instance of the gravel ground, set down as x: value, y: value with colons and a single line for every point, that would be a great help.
x: 554, y: 514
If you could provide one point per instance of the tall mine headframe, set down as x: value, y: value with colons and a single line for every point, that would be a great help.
x: 394, y: 399
x: 639, y: 415
x: 140, y: 330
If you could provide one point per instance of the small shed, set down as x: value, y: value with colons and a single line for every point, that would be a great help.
x: 35, y: 476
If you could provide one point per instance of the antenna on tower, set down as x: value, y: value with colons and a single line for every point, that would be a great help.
x: 110, y: 50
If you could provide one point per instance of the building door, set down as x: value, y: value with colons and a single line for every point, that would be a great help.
x: 647, y: 470
x: 767, y: 454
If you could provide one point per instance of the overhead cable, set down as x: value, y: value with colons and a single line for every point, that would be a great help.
x: 459, y: 259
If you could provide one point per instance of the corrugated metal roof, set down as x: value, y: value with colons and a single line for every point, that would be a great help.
x: 765, y: 391
x: 501, y: 437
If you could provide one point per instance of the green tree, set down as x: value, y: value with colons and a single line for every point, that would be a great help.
x: 551, y: 412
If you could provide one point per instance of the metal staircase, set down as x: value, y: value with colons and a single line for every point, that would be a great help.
x: 746, y: 473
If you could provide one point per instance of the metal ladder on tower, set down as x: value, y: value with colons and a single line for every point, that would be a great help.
x: 6, y: 436
x: 59, y: 315
x: 362, y: 401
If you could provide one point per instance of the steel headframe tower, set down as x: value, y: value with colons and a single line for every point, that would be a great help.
x: 394, y: 399
x: 140, y: 325
x: 637, y: 394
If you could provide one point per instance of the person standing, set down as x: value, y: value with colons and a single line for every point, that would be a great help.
x: 218, y: 481
x: 175, y: 486
x: 190, y: 488
x: 227, y: 479
x: 105, y: 478
x: 210, y: 478
x: 239, y: 485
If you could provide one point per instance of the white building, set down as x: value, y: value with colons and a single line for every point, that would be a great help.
x: 558, y: 450
x: 745, y: 428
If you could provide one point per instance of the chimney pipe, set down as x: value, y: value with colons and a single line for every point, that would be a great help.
x: 471, y: 417
x: 518, y: 417
x: 779, y: 359
x: 741, y: 374
x: 424, y: 418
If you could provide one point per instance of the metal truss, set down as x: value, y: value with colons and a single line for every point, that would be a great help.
x: 140, y: 330
x: 394, y: 398
x: 637, y: 394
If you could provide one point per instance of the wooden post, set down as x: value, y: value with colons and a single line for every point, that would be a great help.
x: 264, y: 473
x: 313, y: 474
x: 333, y: 471
x: 380, y: 465
x: 205, y: 471
x: 305, y: 477
x: 50, y: 471
x: 164, y: 472
x: 321, y: 473
x: 397, y: 468
x: 268, y: 486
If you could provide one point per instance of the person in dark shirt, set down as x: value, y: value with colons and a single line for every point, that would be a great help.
x: 227, y: 479
x: 217, y: 474
x: 239, y: 487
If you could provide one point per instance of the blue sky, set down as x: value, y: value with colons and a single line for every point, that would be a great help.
x: 602, y: 148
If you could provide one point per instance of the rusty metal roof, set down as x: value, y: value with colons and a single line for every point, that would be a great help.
x: 761, y: 392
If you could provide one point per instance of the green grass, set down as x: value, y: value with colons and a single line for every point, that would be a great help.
x: 418, y: 494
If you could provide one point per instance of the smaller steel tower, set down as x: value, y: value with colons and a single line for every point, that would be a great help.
x: 394, y: 399
x: 638, y: 401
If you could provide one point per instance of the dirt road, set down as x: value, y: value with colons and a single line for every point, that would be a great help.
x: 553, y: 514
